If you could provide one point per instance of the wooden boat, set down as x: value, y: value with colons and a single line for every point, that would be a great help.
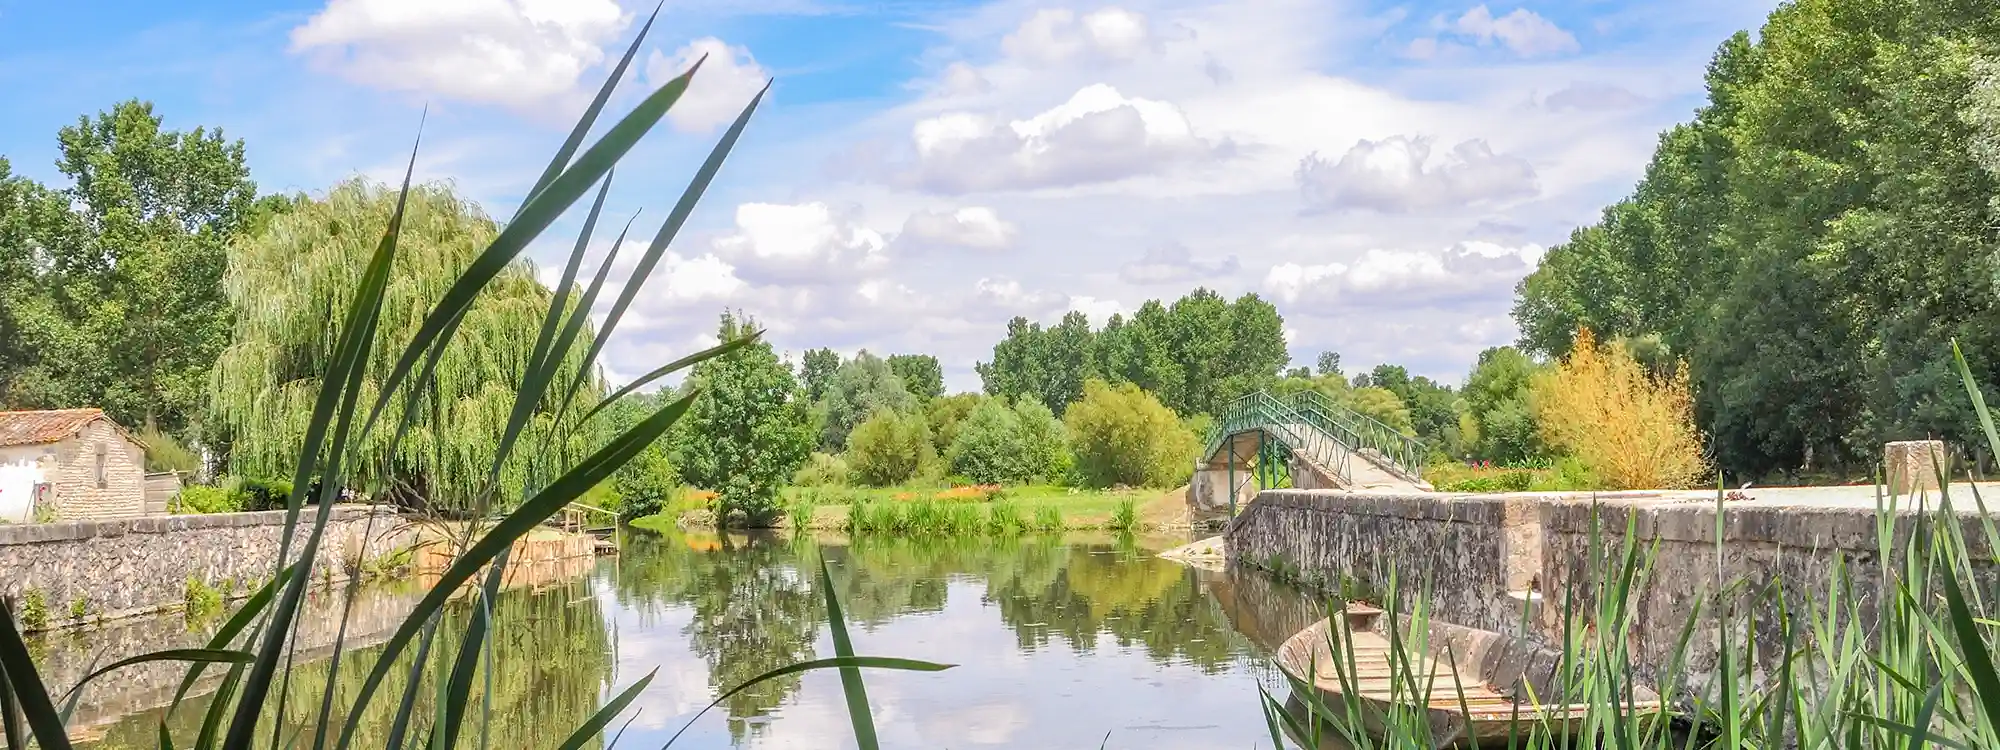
x: 1481, y: 683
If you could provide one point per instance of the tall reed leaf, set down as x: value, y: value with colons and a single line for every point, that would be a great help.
x: 24, y: 686
x: 598, y: 721
x: 851, y: 686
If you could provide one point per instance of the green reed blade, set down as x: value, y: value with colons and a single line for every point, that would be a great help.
x: 586, y: 474
x: 459, y: 688
x: 671, y: 368
x: 1972, y: 647
x: 851, y: 685
x: 536, y: 215
x: 195, y: 655
x: 218, y: 709
x: 399, y: 727
x: 25, y: 685
x: 583, y: 124
x: 838, y: 662
x: 597, y: 722
x: 10, y: 714
x: 683, y: 208
x: 237, y: 622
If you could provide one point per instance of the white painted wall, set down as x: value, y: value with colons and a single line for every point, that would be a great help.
x: 21, y: 467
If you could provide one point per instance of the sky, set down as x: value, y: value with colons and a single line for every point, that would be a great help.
x: 922, y: 171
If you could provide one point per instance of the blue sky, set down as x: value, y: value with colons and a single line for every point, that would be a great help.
x: 923, y: 171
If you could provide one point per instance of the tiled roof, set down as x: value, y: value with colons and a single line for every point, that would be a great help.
x: 35, y: 427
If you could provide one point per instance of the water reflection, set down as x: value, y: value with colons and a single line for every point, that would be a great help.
x: 1058, y: 642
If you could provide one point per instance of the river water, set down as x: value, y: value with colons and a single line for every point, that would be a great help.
x: 1079, y: 641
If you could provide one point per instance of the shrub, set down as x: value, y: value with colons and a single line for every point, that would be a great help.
x: 822, y: 470
x: 164, y: 453
x: 1630, y: 429
x: 993, y: 447
x: 946, y: 413
x: 34, y: 610
x: 261, y: 494
x: 646, y: 484
x: 1046, y: 442
x: 200, y: 600
x: 197, y: 498
x: 1123, y: 435
x: 889, y: 448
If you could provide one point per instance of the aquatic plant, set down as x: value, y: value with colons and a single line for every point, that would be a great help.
x: 1900, y: 661
x: 364, y: 405
x: 1048, y: 518
x: 1125, y: 517
x: 1003, y: 517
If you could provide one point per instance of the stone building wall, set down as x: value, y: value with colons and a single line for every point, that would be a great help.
x: 134, y: 566
x: 82, y: 490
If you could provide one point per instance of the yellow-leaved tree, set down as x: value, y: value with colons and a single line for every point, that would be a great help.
x: 1632, y: 428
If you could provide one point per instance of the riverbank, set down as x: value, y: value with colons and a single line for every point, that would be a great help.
x: 961, y: 510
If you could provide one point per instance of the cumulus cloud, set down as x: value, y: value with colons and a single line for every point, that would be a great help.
x: 1098, y: 135
x: 1397, y: 175
x: 1056, y: 36
x: 1522, y: 32
x: 728, y: 80
x: 960, y: 79
x: 807, y: 242
x: 1173, y: 263
x: 976, y: 227
x: 1468, y: 273
x: 515, y: 53
x: 1591, y: 97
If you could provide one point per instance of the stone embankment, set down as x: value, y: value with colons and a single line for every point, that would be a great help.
x: 1481, y: 559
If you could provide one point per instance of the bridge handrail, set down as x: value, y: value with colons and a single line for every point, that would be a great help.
x: 1403, y: 452
x: 1325, y: 443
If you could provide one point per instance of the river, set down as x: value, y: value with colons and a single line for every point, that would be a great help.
x: 1077, y: 641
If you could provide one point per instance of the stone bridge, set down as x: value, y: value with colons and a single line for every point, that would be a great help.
x: 1303, y: 441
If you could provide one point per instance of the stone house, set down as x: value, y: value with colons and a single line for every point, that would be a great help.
x: 71, y: 464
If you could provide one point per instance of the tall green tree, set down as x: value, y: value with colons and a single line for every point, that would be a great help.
x: 117, y: 298
x: 302, y: 270
x: 1811, y: 240
x: 748, y: 432
x: 816, y: 371
x: 862, y: 386
x: 1496, y: 399
x: 1328, y: 364
x: 921, y: 374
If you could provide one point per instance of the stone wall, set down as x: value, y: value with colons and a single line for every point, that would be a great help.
x: 1453, y: 549
x: 1481, y: 559
x: 120, y: 568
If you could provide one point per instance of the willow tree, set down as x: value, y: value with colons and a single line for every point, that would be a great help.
x: 289, y: 280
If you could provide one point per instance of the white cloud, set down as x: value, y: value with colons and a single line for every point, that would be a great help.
x: 1397, y: 175
x: 1056, y: 36
x: 1523, y: 32
x: 1173, y: 263
x: 1098, y: 310
x: 1584, y: 96
x: 695, y: 279
x: 515, y: 53
x: 807, y: 242
x: 961, y: 79
x: 727, y: 81
x: 1469, y: 274
x: 976, y: 227
x: 1097, y: 135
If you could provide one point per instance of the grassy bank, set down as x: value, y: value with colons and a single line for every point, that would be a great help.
x: 955, y: 510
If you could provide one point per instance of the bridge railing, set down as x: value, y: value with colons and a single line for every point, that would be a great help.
x: 1402, y: 452
x: 1321, y: 440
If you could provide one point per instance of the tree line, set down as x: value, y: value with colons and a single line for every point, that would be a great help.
x: 1812, y: 240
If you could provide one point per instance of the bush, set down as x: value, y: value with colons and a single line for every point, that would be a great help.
x: 262, y: 494
x: 889, y: 448
x: 946, y: 413
x: 645, y: 485
x: 1628, y: 428
x: 164, y: 453
x: 993, y: 446
x: 1122, y: 435
x: 197, y: 498
x: 822, y: 470
x: 1046, y: 442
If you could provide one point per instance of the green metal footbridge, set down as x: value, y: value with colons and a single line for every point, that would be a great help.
x: 1257, y: 437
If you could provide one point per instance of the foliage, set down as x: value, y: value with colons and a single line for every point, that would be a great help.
x: 816, y: 372
x: 252, y: 494
x: 1328, y: 365
x: 748, y: 433
x: 822, y: 470
x: 164, y: 453
x: 200, y: 601
x: 1123, y: 435
x: 1045, y: 443
x: 647, y: 484
x: 920, y: 373
x: 34, y: 610
x: 1633, y: 431
x: 1496, y: 401
x: 1195, y: 355
x: 944, y: 415
x: 1048, y: 518
x: 861, y: 387
x: 1382, y: 405
x: 110, y: 289
x: 889, y: 448
x: 197, y: 498
x: 1125, y: 517
x: 304, y: 268
x: 996, y: 443
x: 1811, y: 239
